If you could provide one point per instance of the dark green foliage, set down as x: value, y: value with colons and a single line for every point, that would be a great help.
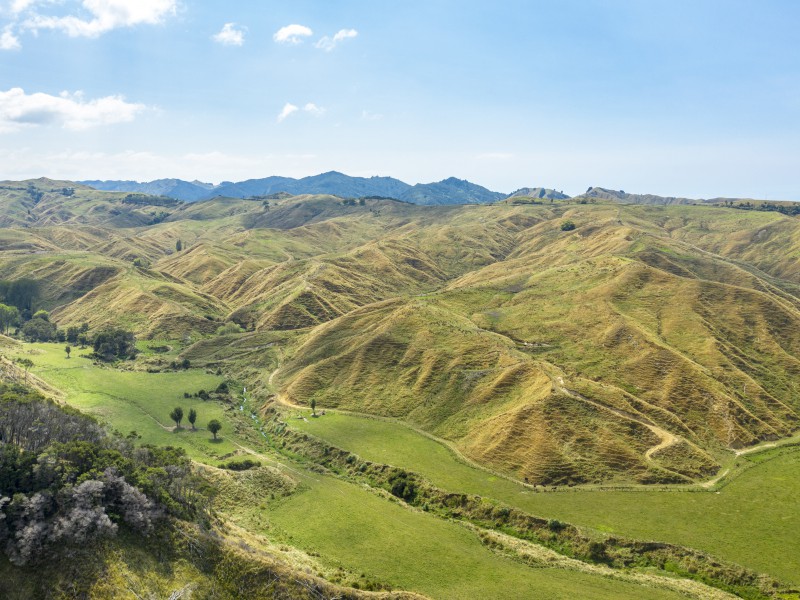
x: 113, y: 344
x: 65, y: 483
x: 147, y: 200
x: 786, y: 208
x: 214, y: 426
x: 39, y: 330
x: 241, y: 465
x: 72, y: 334
x: 567, y: 226
x: 22, y: 293
x: 177, y: 416
x: 222, y: 388
x: 178, y: 246
x: 403, y: 486
x: 141, y: 263
x: 192, y: 418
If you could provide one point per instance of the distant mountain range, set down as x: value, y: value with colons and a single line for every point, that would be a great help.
x: 448, y: 191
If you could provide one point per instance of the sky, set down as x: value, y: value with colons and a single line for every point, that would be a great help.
x: 695, y: 98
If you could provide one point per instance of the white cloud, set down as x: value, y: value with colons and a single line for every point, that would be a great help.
x: 329, y: 43
x: 313, y: 109
x: 229, y: 35
x: 369, y: 116
x: 309, y: 107
x: 19, y: 110
x: 292, y: 34
x: 9, y: 41
x: 18, y: 6
x: 288, y: 109
x: 104, y: 16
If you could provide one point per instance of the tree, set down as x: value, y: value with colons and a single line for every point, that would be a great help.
x: 68, y: 350
x: 9, y: 315
x: 192, y: 417
x: 42, y: 314
x: 177, y: 416
x: 72, y: 334
x: 214, y: 426
x: 27, y: 363
x: 313, y: 407
x: 39, y: 330
x: 114, y: 343
x: 567, y: 226
x: 178, y: 245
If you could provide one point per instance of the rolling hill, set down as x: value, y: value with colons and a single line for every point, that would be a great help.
x: 667, y: 333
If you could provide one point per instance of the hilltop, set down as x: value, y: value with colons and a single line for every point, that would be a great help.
x: 448, y: 191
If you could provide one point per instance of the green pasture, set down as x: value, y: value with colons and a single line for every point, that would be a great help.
x: 416, y: 551
x: 753, y: 521
x: 136, y: 400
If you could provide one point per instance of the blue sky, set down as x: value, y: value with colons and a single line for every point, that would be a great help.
x: 697, y: 98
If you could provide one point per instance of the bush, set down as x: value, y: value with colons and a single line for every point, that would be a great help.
x: 567, y: 226
x: 229, y: 329
x: 115, y: 343
x: 241, y: 465
x: 39, y: 330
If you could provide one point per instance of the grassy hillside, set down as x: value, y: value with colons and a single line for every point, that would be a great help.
x: 643, y: 347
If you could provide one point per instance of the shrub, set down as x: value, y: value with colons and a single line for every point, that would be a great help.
x: 567, y: 226
x: 241, y: 465
x: 116, y: 343
x: 229, y: 329
x: 39, y: 330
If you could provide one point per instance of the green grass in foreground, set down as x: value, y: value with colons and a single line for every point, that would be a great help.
x: 420, y: 552
x: 346, y: 524
x: 753, y: 521
x: 136, y: 400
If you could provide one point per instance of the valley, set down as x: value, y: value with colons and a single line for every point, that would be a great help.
x: 622, y: 380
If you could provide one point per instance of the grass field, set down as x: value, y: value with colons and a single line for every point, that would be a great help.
x: 346, y: 524
x: 420, y: 552
x: 753, y: 521
x: 135, y: 400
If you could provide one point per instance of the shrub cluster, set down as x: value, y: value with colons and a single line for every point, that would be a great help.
x: 64, y: 482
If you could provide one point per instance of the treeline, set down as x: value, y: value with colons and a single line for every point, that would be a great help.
x: 65, y: 483
x: 787, y: 208
x: 146, y: 200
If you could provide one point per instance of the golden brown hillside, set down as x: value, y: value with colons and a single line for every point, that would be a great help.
x: 641, y: 346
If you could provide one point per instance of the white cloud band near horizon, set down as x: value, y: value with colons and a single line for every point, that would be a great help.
x: 292, y: 34
x: 72, y: 111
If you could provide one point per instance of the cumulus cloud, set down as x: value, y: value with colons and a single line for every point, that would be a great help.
x: 292, y: 34
x: 229, y: 35
x: 329, y: 43
x: 19, y: 110
x: 309, y: 107
x: 9, y: 41
x: 103, y: 16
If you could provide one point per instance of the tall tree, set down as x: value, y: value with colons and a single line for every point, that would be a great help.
x: 177, y: 416
x: 214, y: 426
x: 9, y: 315
x: 192, y: 417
